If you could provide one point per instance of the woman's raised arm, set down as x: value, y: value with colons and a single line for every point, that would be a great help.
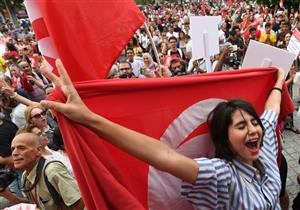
x: 274, y: 99
x: 139, y: 145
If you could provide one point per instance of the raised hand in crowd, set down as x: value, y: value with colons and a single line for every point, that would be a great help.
x: 10, y: 91
x: 162, y: 72
x: 5, y: 88
x: 225, y: 52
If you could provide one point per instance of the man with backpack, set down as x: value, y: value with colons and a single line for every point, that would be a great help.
x: 47, y: 184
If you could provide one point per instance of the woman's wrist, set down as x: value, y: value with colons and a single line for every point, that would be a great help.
x: 14, y: 95
x: 277, y: 89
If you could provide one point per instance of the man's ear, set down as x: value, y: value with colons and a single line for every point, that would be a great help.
x: 39, y: 151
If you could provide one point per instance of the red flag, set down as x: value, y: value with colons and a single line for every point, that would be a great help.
x: 173, y: 110
x: 203, y: 7
x: 229, y: 3
x: 88, y: 36
x: 281, y: 4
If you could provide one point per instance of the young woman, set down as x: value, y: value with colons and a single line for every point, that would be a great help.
x: 244, y: 174
x: 182, y: 41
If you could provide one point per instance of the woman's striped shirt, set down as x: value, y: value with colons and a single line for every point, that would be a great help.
x: 235, y: 185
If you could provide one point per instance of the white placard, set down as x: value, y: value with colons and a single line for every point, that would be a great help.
x: 204, y: 35
x: 294, y: 44
x: 2, y: 49
x: 263, y: 55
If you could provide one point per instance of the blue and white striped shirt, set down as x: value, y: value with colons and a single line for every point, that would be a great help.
x: 235, y: 185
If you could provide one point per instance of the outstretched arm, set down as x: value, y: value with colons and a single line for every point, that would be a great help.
x: 274, y: 99
x: 139, y: 145
x: 11, y: 93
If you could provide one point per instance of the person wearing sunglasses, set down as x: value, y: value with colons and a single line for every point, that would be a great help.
x: 42, y: 119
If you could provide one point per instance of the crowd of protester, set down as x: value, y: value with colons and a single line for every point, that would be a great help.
x: 23, y: 86
x: 169, y: 26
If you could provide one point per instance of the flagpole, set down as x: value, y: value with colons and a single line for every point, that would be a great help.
x: 153, y: 45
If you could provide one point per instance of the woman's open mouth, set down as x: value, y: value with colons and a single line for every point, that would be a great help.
x: 252, y: 145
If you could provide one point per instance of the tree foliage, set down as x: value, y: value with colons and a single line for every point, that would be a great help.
x: 14, y: 5
x: 287, y: 3
x: 144, y: 2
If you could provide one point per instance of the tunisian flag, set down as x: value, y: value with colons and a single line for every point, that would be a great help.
x: 172, y: 110
x: 229, y: 3
x: 87, y: 36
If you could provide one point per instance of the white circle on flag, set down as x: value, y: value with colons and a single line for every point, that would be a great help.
x: 163, y: 188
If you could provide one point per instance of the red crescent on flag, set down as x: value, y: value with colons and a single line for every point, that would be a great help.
x: 163, y: 188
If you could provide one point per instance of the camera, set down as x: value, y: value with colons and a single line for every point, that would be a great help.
x: 7, y: 176
x: 233, y: 61
x: 124, y: 75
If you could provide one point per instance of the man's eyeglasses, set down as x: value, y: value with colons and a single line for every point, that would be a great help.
x: 39, y: 115
x: 124, y: 69
x: 25, y: 67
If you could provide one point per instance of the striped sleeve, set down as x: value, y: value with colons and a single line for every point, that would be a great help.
x: 269, y: 121
x: 211, y: 190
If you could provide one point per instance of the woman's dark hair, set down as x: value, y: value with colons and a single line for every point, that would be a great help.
x: 184, y: 36
x: 11, y: 47
x: 219, y: 120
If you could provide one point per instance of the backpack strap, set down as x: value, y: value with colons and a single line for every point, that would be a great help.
x: 54, y: 194
x: 38, y: 172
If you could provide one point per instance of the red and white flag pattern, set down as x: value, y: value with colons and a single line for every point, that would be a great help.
x: 84, y: 34
x: 173, y: 110
x: 42, y: 36
x: 88, y: 37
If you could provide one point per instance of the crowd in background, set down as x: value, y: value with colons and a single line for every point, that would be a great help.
x: 169, y: 26
x: 23, y: 85
x: 22, y: 88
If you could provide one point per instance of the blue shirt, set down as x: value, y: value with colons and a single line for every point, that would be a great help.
x: 235, y: 185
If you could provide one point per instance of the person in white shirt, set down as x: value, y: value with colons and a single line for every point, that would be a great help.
x: 171, y: 33
x: 136, y: 63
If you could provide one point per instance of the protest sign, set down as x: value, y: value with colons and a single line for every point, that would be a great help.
x: 294, y: 44
x: 263, y: 55
x: 204, y: 33
x: 2, y: 46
